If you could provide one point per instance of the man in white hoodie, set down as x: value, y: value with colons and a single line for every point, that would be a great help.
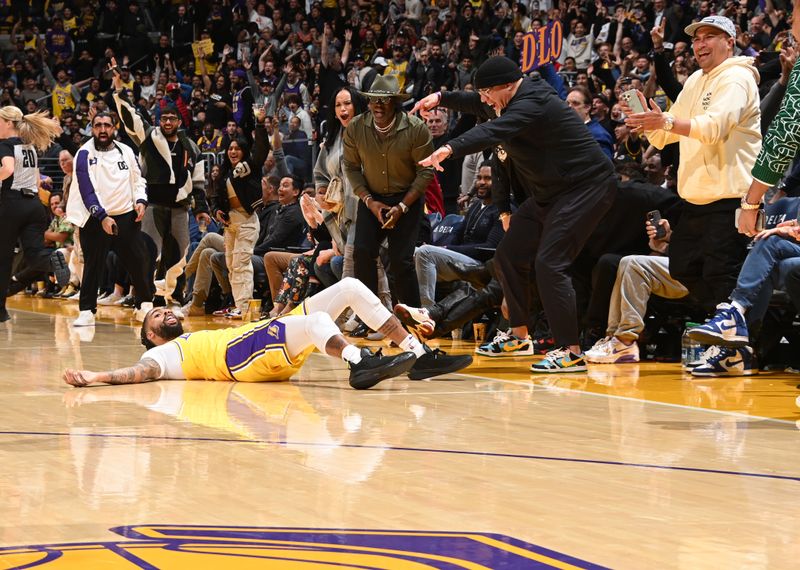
x: 107, y: 200
x: 716, y: 121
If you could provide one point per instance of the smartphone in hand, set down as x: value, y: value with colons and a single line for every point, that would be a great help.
x: 631, y: 98
x: 654, y: 218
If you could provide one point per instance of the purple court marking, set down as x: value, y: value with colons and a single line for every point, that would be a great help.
x: 417, y: 450
x: 423, y: 547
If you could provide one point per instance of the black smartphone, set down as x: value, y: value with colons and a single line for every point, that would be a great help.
x: 654, y: 218
x: 115, y: 230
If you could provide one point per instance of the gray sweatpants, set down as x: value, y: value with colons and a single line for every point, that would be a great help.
x: 638, y: 277
x: 160, y: 222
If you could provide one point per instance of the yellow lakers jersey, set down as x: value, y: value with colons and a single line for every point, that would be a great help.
x: 62, y: 99
x: 255, y: 352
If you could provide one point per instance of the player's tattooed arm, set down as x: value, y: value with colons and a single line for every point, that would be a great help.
x: 146, y: 370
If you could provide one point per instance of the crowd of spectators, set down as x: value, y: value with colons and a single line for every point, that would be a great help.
x: 220, y: 61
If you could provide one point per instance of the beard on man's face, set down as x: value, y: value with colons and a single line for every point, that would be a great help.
x: 169, y: 332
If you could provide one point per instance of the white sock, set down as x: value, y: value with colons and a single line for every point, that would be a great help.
x: 352, y: 354
x: 410, y: 344
x: 738, y: 307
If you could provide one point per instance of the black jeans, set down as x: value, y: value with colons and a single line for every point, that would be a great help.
x: 131, y: 250
x: 706, y: 251
x: 402, y: 241
x: 546, y: 239
x: 24, y: 219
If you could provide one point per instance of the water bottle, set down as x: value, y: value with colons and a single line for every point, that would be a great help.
x: 691, y: 350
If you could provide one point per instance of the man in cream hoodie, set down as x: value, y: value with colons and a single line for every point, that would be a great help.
x: 716, y: 121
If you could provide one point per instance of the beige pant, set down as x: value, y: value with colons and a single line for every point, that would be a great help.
x: 200, y: 266
x: 240, y: 239
x: 275, y: 264
x: 76, y: 260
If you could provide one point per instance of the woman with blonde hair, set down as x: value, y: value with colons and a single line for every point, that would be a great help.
x: 22, y: 216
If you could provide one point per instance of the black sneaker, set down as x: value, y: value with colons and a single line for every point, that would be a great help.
x: 58, y: 264
x: 436, y: 362
x: 376, y: 367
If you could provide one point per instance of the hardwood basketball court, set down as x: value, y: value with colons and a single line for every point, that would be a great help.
x: 621, y: 467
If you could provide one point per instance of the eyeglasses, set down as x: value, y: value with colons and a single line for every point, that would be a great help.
x: 380, y: 100
x: 169, y: 119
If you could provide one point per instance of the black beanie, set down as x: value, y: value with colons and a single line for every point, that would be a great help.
x: 497, y: 70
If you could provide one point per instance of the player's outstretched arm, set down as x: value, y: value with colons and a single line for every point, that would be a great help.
x: 146, y: 370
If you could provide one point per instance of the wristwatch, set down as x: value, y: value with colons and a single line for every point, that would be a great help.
x: 745, y: 205
x: 403, y: 207
x: 669, y: 122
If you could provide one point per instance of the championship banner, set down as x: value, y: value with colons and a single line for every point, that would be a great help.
x: 541, y: 46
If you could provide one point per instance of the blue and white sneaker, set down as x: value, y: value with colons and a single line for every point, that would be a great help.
x: 560, y: 360
x: 726, y: 328
x: 729, y: 361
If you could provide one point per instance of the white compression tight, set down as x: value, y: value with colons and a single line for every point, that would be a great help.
x: 317, y: 327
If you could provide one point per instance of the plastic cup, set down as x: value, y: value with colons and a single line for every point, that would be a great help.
x: 253, y: 309
x: 479, y: 331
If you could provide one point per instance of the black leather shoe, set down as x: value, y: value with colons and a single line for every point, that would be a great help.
x: 436, y: 362
x: 374, y: 368
x: 4, y: 316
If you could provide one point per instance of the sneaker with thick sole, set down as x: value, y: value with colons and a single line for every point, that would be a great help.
x: 726, y: 328
x: 612, y: 351
x: 67, y: 291
x: 60, y: 268
x: 234, y: 314
x: 223, y: 311
x: 376, y: 367
x: 436, y: 362
x: 113, y: 299
x: 416, y: 319
x: 560, y: 360
x: 140, y: 313
x: 506, y: 344
x: 85, y: 319
x: 706, y: 354
x: 192, y: 310
x: 729, y: 361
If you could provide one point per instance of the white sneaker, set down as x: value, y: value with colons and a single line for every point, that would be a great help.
x: 140, y: 313
x: 351, y: 324
x: 177, y: 310
x: 110, y: 299
x: 235, y: 314
x: 161, y: 287
x: 415, y: 318
x: 75, y: 297
x: 122, y: 300
x: 85, y: 319
x: 613, y: 351
x: 599, y: 348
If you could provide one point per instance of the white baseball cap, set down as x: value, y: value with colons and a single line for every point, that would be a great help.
x: 719, y: 22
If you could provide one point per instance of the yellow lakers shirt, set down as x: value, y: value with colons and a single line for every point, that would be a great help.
x: 254, y: 352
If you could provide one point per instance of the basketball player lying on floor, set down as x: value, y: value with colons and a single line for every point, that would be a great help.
x: 275, y: 349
